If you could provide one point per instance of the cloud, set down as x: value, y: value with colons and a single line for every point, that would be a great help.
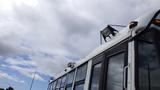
x: 20, y: 61
x: 9, y: 77
x: 28, y: 72
x: 55, y: 32
x: 42, y: 63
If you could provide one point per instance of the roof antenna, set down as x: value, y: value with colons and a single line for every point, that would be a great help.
x: 32, y: 81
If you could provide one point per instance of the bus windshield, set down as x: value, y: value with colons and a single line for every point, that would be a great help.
x: 148, y: 68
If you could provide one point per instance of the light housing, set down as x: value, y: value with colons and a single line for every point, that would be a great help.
x: 133, y: 24
x: 156, y: 22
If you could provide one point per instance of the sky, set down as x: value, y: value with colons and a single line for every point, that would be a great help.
x: 42, y: 36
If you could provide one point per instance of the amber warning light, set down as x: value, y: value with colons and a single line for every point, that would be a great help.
x: 156, y: 22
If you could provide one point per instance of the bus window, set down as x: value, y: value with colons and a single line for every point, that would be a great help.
x: 58, y: 83
x: 148, y: 68
x: 115, y: 72
x: 81, y: 72
x: 96, y: 76
x: 79, y: 87
x: 49, y: 87
x: 70, y: 78
x: 52, y: 86
x: 69, y: 88
x: 63, y: 82
x: 80, y: 77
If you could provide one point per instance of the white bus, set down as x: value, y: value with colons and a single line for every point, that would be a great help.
x: 129, y: 61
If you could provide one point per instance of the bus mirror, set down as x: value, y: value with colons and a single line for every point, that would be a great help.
x: 156, y: 22
x: 133, y: 24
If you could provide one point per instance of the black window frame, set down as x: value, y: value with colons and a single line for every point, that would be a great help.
x: 55, y: 81
x: 64, y: 82
x: 135, y: 39
x: 125, y: 64
x: 92, y: 71
x: 49, y: 86
x: 70, y: 84
x: 96, y: 61
x: 79, y: 82
x: 117, y: 48
x: 113, y: 51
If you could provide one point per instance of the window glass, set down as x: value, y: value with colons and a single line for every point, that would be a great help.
x: 81, y: 72
x: 58, y: 83
x: 96, y: 77
x: 70, y: 77
x: 54, y: 85
x: 158, y: 17
x: 115, y: 72
x: 62, y: 89
x: 50, y: 87
x: 63, y: 81
x: 149, y: 60
x: 79, y: 87
x: 69, y: 88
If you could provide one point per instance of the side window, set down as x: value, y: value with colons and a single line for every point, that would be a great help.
x: 115, y: 72
x: 80, y: 77
x: 50, y: 86
x: 148, y: 60
x: 69, y: 88
x: 70, y: 78
x: 95, y: 76
x: 79, y: 87
x: 54, y: 85
x: 58, y: 83
x: 63, y: 82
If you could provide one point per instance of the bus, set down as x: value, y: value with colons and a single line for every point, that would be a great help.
x: 129, y: 61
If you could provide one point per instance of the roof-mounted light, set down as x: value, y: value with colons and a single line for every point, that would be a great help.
x: 106, y: 32
x: 133, y: 24
x: 156, y: 22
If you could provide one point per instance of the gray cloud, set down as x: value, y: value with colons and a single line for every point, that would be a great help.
x: 61, y: 28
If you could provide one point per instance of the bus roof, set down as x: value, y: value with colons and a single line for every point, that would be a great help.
x: 122, y: 35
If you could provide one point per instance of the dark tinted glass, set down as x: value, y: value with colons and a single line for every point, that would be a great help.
x: 54, y: 85
x: 50, y: 87
x: 81, y: 72
x: 149, y: 60
x: 115, y: 72
x: 69, y: 88
x: 62, y: 89
x: 79, y: 87
x: 58, y: 83
x: 70, y: 77
x: 63, y: 81
x: 96, y: 77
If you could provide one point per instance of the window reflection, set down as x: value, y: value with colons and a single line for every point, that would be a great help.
x: 115, y: 72
x: 58, y: 83
x: 79, y: 87
x: 81, y: 72
x: 96, y: 77
x: 70, y: 77
x: 149, y: 60
x: 69, y: 88
x: 63, y: 81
